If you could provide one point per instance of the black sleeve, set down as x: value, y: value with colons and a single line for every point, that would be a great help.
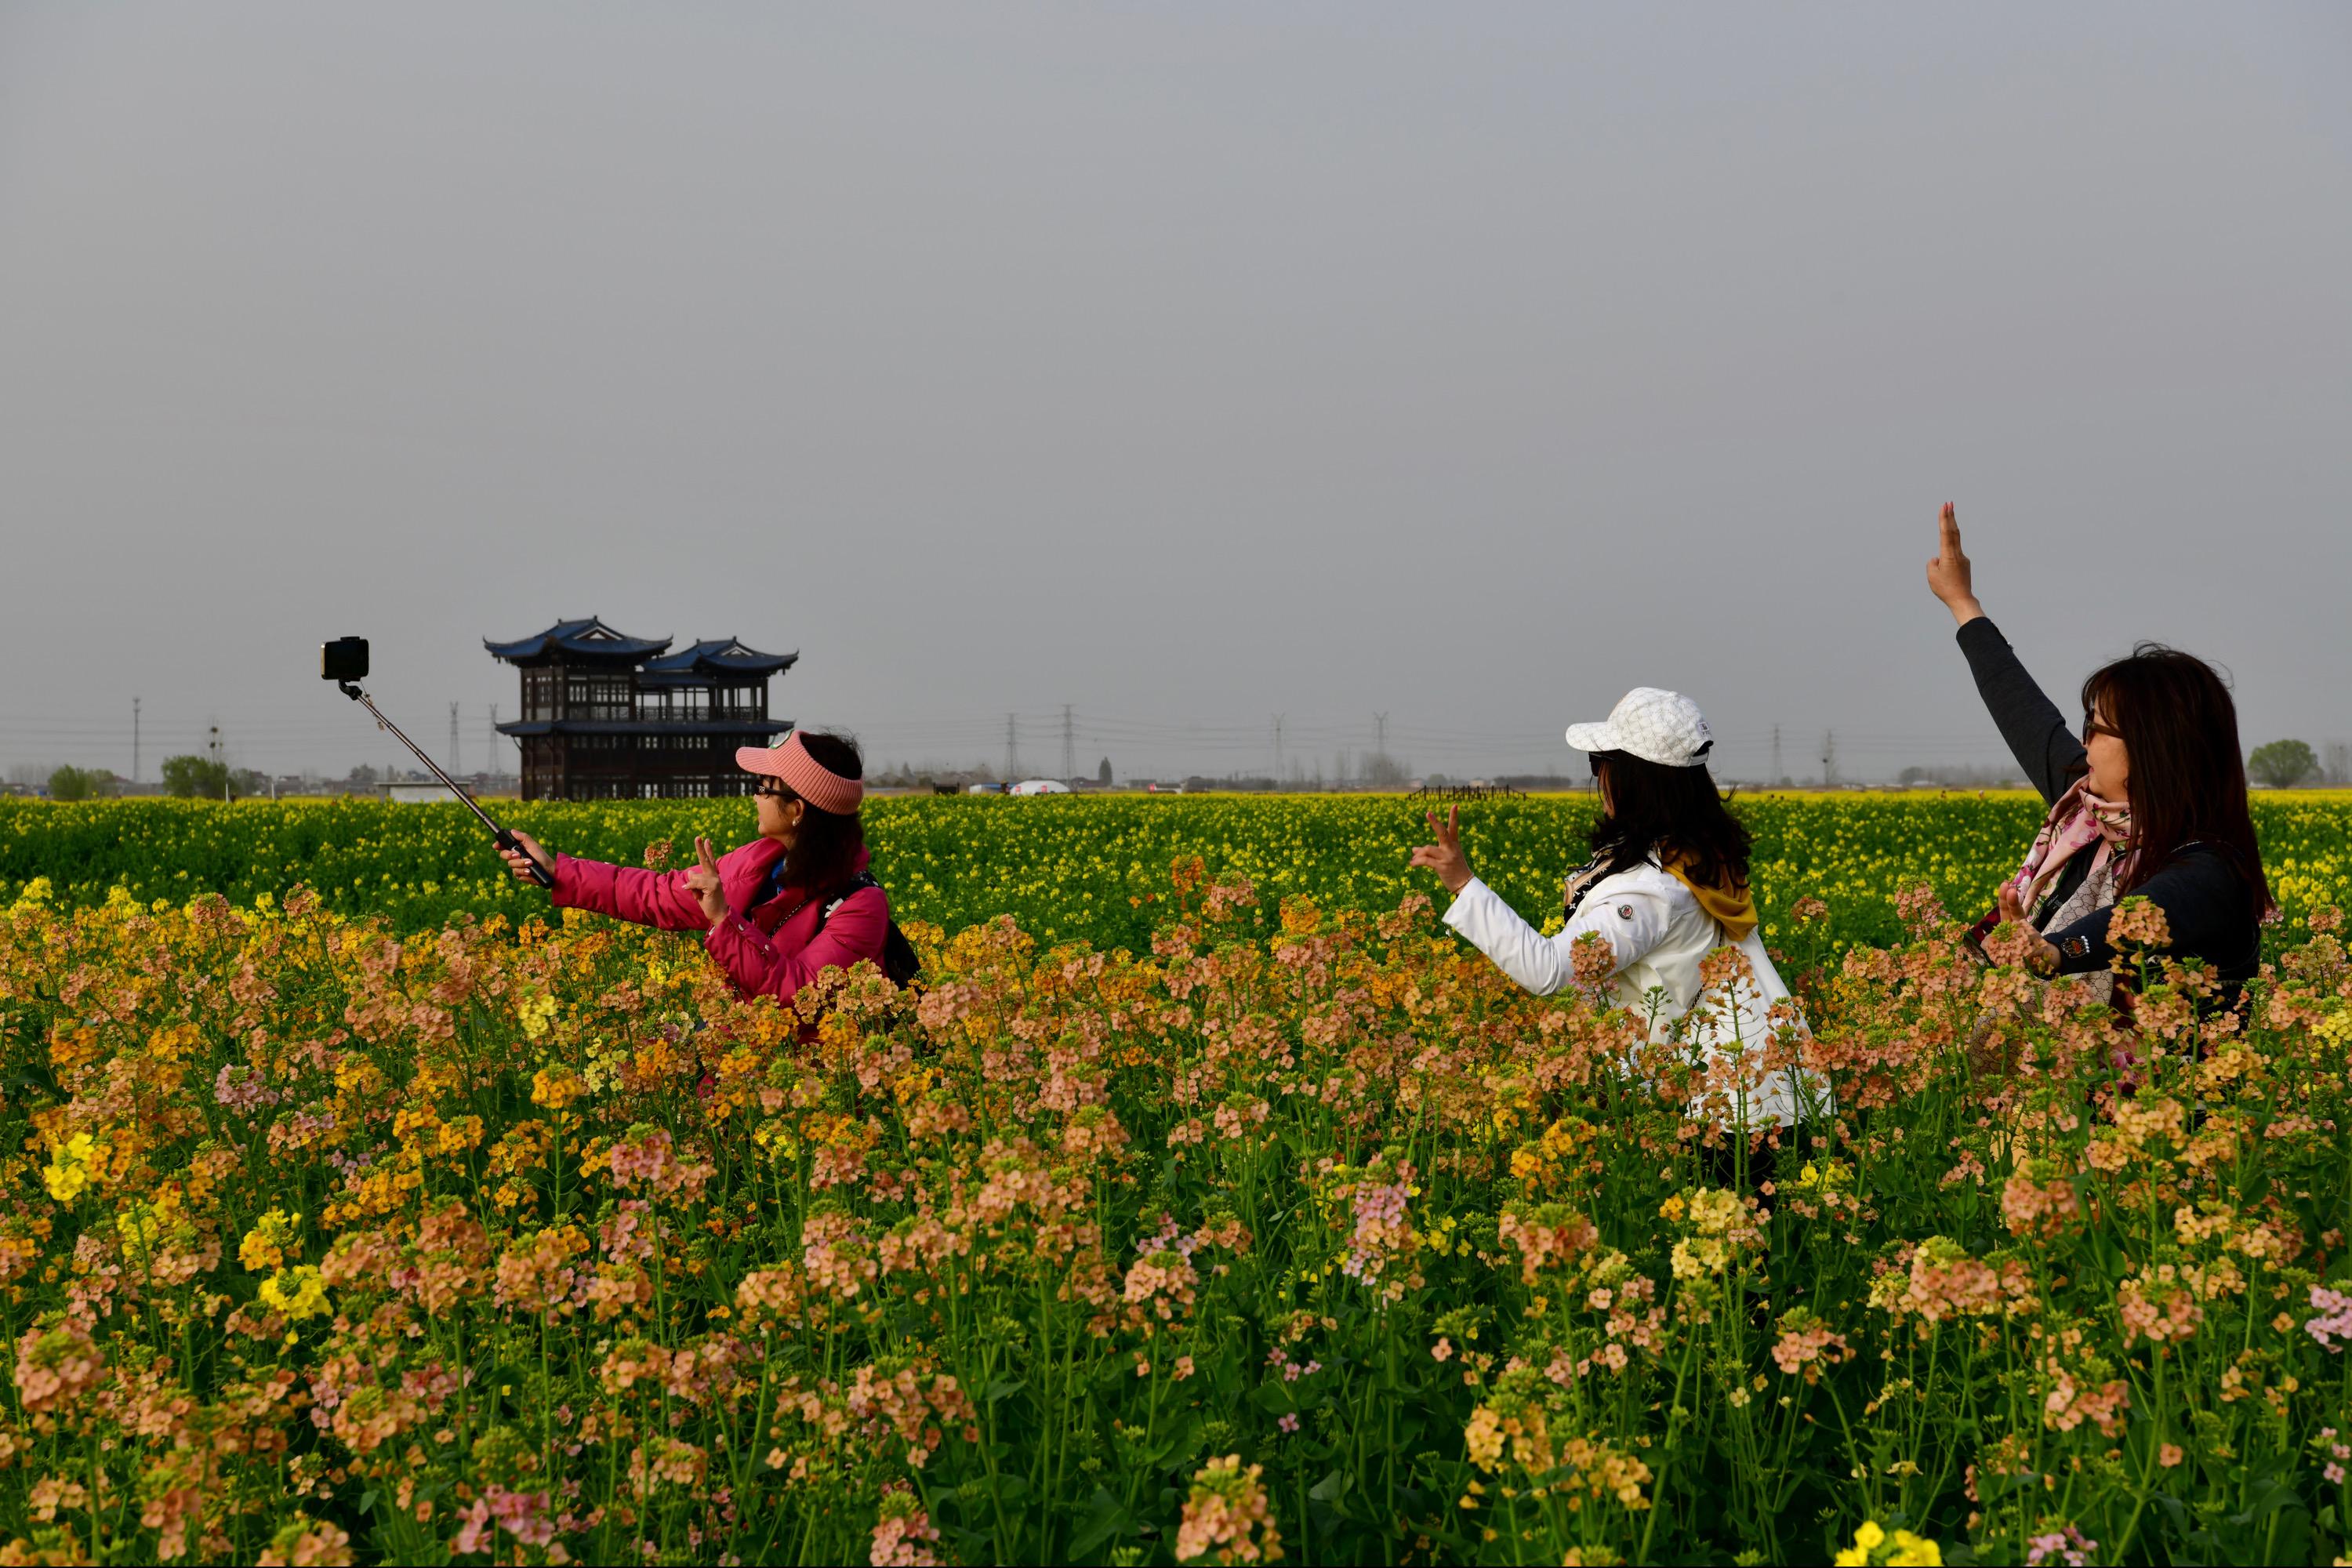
x: 2203, y: 902
x: 2036, y: 732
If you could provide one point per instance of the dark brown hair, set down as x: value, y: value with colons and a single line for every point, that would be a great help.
x: 2188, y: 782
x: 824, y: 852
x: 1671, y: 812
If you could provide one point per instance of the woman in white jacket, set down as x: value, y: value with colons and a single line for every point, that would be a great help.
x: 1667, y: 885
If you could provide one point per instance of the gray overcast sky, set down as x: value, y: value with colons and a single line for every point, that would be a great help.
x: 1185, y: 363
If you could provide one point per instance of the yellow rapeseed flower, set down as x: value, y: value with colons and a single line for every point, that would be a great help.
x: 556, y: 1085
x: 70, y: 1167
x: 264, y: 1246
x: 1873, y: 1545
x: 297, y: 1292
x: 535, y: 1014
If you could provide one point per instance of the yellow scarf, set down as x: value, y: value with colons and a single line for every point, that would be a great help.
x: 1731, y: 906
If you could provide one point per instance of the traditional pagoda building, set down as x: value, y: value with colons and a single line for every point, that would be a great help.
x: 610, y: 717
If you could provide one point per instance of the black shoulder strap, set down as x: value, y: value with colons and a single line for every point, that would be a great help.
x: 834, y: 899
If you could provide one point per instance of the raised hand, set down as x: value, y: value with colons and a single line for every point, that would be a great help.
x: 1445, y: 856
x: 1949, y: 577
x: 703, y: 882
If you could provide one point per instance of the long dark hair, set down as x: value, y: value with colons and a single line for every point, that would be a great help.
x: 1673, y: 813
x: 2188, y: 783
x: 824, y: 852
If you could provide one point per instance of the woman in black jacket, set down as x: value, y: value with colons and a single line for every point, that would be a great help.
x: 2150, y: 802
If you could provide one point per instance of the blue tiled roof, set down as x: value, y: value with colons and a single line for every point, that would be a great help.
x: 591, y: 635
x: 721, y: 656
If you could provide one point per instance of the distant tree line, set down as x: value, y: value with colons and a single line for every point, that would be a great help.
x: 80, y: 783
x: 2283, y: 764
x: 196, y: 777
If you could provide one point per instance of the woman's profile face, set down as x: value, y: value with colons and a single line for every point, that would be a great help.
x: 780, y: 816
x: 2110, y: 777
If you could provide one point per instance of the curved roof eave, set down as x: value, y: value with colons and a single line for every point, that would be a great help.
x: 724, y: 655
x: 575, y: 638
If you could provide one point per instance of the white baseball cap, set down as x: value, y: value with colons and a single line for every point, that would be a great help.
x: 1662, y: 726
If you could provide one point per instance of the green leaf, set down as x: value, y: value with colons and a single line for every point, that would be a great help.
x: 1274, y: 1398
x: 1105, y: 1517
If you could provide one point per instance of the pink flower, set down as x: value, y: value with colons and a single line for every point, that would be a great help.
x: 2069, y: 1545
x: 902, y: 1536
x: 643, y: 1157
x: 476, y: 1535
x: 2333, y: 1327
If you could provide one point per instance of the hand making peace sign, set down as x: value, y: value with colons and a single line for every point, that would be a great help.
x: 1445, y: 856
x: 703, y: 882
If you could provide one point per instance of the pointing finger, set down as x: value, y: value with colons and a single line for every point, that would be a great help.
x: 1948, y: 531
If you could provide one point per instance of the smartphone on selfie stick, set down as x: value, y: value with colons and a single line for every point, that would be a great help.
x: 345, y: 661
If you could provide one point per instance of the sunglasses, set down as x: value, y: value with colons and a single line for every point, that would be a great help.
x: 771, y: 789
x: 2091, y: 727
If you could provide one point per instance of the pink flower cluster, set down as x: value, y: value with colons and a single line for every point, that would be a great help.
x: 1807, y: 1346
x: 904, y: 1541
x: 1381, y: 1234
x: 2333, y: 1327
x: 1228, y: 1515
x: 523, y: 1515
x: 2069, y: 1546
x: 242, y: 1089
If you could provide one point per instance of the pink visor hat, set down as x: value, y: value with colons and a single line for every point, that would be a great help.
x: 803, y: 774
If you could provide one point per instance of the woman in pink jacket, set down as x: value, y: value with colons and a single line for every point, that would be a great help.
x: 794, y: 901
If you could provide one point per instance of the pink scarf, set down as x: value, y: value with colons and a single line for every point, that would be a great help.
x: 2078, y: 818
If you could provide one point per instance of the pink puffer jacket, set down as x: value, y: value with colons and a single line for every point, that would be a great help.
x: 772, y: 950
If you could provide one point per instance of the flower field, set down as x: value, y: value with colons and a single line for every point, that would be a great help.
x: 1074, y: 868
x: 1207, y: 1202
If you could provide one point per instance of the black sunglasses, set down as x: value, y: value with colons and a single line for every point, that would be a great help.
x: 771, y: 789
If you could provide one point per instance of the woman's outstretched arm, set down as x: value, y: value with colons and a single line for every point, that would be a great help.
x: 1541, y: 963
x: 1631, y: 921
x: 2031, y: 725
x: 649, y: 898
x: 657, y: 899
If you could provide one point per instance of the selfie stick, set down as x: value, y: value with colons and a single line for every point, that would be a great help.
x: 503, y: 838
